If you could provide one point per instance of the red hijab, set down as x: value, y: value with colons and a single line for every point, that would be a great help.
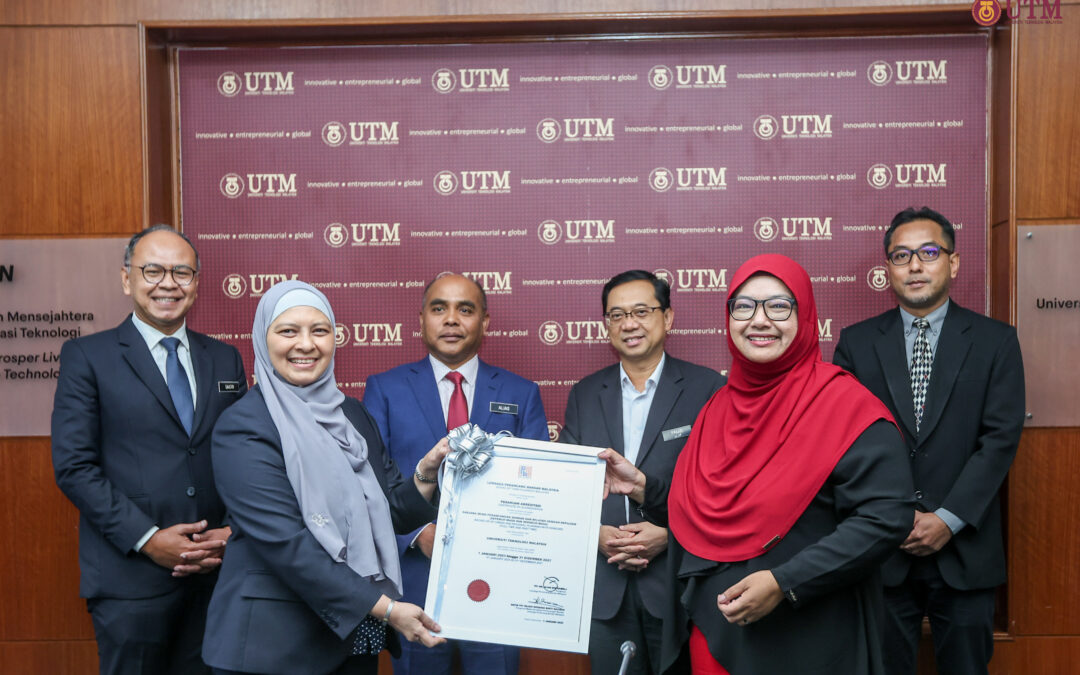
x: 763, y: 445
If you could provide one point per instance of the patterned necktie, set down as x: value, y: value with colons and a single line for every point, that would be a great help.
x: 179, y: 387
x: 458, y: 413
x: 921, y: 360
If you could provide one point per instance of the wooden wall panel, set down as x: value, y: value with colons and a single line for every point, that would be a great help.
x: 39, y: 569
x: 1044, y: 540
x: 1047, y: 126
x: 81, y: 12
x: 70, y: 131
x: 1036, y: 656
x: 1000, y: 124
x: 77, y: 657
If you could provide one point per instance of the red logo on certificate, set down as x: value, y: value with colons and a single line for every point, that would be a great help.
x: 479, y: 590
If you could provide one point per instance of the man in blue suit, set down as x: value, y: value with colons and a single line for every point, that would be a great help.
x: 414, y: 406
x: 131, y: 429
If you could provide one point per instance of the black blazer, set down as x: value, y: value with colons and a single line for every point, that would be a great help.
x: 970, y: 429
x: 123, y: 458
x: 594, y: 417
x: 281, y: 604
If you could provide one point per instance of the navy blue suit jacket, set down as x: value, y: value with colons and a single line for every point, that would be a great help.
x: 405, y: 403
x: 123, y: 458
x: 281, y: 604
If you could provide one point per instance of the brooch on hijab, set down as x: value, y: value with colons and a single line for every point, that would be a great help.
x: 319, y: 519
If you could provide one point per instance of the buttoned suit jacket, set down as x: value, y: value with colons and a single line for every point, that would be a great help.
x: 971, y: 425
x: 282, y: 604
x: 405, y: 403
x: 594, y: 417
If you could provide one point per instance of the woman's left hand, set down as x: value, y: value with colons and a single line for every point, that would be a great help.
x: 429, y: 463
x: 751, y: 599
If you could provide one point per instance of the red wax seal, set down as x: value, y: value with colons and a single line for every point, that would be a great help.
x: 479, y: 590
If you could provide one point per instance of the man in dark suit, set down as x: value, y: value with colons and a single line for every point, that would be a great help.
x: 954, y: 380
x: 415, y: 404
x: 131, y: 426
x: 642, y: 407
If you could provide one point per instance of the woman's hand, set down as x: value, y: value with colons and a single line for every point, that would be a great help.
x: 751, y: 599
x: 622, y: 477
x: 410, y: 620
x: 428, y: 467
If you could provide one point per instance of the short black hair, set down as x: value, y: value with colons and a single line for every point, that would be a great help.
x: 660, y: 287
x: 925, y: 213
x: 440, y: 275
x: 160, y: 227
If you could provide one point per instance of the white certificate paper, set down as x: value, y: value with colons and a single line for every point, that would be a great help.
x: 520, y: 566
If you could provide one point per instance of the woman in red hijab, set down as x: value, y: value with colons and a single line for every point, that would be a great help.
x: 791, y: 490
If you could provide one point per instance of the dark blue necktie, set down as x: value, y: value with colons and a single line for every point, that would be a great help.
x: 179, y: 387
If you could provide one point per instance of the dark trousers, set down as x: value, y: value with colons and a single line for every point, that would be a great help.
x: 153, y: 636
x: 354, y: 665
x: 961, y: 623
x: 631, y: 622
x: 477, y: 658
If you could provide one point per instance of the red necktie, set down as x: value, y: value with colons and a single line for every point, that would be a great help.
x: 458, y: 412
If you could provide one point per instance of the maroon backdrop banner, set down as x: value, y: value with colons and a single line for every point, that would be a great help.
x: 542, y: 169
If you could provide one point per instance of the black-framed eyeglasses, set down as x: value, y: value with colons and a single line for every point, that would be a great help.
x: 929, y: 253
x: 777, y: 309
x: 153, y: 273
x: 641, y: 313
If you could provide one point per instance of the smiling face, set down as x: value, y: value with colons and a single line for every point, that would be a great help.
x: 453, y: 320
x: 165, y: 304
x: 300, y: 344
x: 638, y: 341
x: 759, y: 338
x: 921, y: 287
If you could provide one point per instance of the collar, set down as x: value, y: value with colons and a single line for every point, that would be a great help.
x: 936, y: 319
x: 654, y: 378
x: 468, y: 370
x: 153, y: 336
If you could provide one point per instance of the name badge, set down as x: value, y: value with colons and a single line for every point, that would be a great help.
x: 225, y: 387
x: 679, y: 432
x: 506, y: 408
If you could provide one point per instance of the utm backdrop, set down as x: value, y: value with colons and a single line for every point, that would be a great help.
x: 542, y: 169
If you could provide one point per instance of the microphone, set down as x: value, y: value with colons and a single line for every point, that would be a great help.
x: 628, y: 650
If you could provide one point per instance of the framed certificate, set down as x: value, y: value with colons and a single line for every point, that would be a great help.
x: 515, y: 548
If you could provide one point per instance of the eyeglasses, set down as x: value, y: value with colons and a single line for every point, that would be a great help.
x: 617, y: 316
x: 776, y: 309
x: 155, y: 274
x: 928, y: 253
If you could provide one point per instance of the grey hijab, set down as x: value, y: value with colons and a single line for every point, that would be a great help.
x: 325, y: 458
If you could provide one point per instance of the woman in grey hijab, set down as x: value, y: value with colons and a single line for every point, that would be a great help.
x: 310, y: 577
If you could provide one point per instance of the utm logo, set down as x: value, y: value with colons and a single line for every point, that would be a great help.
x: 373, y: 133
x: 765, y: 229
x: 879, y: 73
x: 799, y: 228
x: 335, y: 235
x: 986, y: 12
x: 920, y: 175
x: 921, y: 72
x: 445, y: 183
x: 660, y: 77
x: 877, y: 278
x: 231, y: 185
x: 444, y: 81
x: 824, y: 330
x: 879, y: 176
x: 494, y: 283
x: 468, y: 80
x: 341, y: 334
x: 485, y: 182
x: 551, y: 333
x: 271, y: 184
x: 550, y: 232
x: 765, y: 127
x: 260, y: 283
x: 333, y: 134
x: 234, y: 286
x: 700, y: 178
x: 228, y: 84
x: 660, y: 179
x: 665, y: 275
x: 548, y: 130
x: 698, y: 280
x: 554, y: 430
x: 376, y: 335
x: 706, y: 76
x: 256, y: 83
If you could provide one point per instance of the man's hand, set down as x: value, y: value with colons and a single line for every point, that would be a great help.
x: 750, y: 599
x: 207, y: 560
x: 928, y: 536
x: 409, y: 620
x: 425, y: 541
x: 168, y: 546
x: 638, y: 545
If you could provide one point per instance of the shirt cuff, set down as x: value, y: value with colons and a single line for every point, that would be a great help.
x: 954, y: 523
x: 145, y: 538
x: 412, y: 544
